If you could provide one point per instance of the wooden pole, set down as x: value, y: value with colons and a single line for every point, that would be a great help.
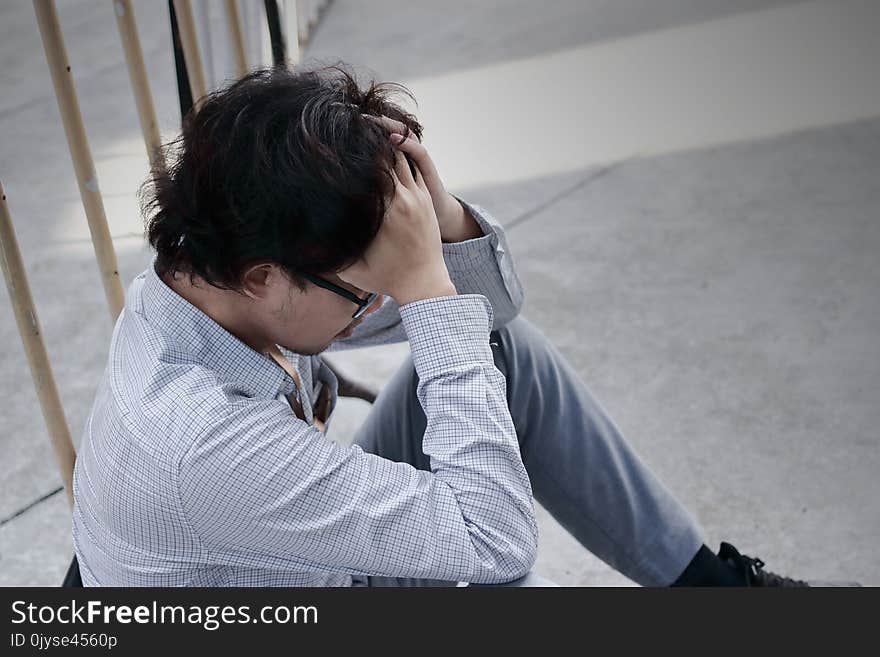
x: 188, y: 39
x: 84, y: 166
x: 237, y: 37
x: 314, y: 8
x: 291, y: 32
x: 140, y: 84
x: 302, y: 13
x: 35, y: 349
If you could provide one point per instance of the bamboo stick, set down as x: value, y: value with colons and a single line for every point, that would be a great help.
x: 302, y: 15
x: 35, y: 349
x: 291, y: 32
x: 140, y: 84
x: 237, y: 37
x: 84, y: 166
x: 190, y: 43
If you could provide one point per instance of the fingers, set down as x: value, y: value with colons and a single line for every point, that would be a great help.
x: 420, y: 179
x: 413, y: 147
x: 392, y: 125
x: 419, y: 154
x: 395, y: 175
x: 401, y: 167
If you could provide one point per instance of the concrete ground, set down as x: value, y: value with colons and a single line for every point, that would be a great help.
x: 691, y: 190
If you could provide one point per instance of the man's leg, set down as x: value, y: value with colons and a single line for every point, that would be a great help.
x: 581, y: 469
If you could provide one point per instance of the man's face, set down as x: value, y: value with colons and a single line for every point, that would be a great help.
x: 309, y: 322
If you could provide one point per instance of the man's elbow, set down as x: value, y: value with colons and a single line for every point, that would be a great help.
x: 515, y: 558
x: 527, y: 561
x: 530, y: 546
x: 515, y: 566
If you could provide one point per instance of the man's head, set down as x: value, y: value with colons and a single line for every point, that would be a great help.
x: 275, y: 177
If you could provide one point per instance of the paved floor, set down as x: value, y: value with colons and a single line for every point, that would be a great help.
x: 691, y: 190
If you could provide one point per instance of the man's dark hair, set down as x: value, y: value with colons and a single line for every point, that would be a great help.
x: 279, y: 166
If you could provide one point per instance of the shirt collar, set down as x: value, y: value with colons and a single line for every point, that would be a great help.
x: 211, y: 344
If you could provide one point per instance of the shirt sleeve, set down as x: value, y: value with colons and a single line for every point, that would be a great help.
x: 262, y: 482
x: 482, y: 265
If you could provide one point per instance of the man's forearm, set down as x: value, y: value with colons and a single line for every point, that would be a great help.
x: 470, y: 437
x: 464, y: 228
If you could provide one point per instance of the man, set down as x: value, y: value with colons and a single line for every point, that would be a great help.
x: 300, y: 214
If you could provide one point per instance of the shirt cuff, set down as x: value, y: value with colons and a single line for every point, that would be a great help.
x: 448, y: 332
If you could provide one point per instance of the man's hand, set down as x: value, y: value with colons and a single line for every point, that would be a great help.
x: 456, y: 224
x: 405, y: 259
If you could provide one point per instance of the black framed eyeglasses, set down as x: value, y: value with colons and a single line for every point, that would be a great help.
x: 362, y: 304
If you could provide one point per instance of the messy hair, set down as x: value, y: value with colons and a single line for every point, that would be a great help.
x: 279, y: 166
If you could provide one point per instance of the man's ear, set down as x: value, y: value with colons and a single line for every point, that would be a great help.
x: 257, y: 280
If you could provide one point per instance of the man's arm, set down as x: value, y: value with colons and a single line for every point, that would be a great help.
x: 485, y: 266
x: 481, y: 265
x: 463, y: 228
x: 261, y: 482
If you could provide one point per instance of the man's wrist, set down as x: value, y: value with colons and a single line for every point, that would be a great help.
x: 438, y: 287
x: 461, y: 225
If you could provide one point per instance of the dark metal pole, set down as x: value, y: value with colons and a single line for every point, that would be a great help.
x: 183, y: 90
x: 276, y: 35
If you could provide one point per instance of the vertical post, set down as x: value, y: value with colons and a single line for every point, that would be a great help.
x: 187, y: 26
x: 202, y: 14
x: 86, y: 178
x: 302, y: 13
x: 314, y: 10
x: 35, y: 349
x: 279, y: 57
x: 237, y: 38
x: 184, y: 95
x: 291, y: 32
x: 140, y: 85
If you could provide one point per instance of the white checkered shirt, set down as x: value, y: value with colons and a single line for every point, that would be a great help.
x: 194, y: 471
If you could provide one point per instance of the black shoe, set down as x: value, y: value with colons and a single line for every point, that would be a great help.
x: 752, y: 570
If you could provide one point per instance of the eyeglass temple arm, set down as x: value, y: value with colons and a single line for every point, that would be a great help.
x: 351, y: 296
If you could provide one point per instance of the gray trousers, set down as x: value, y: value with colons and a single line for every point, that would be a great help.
x: 580, y: 467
